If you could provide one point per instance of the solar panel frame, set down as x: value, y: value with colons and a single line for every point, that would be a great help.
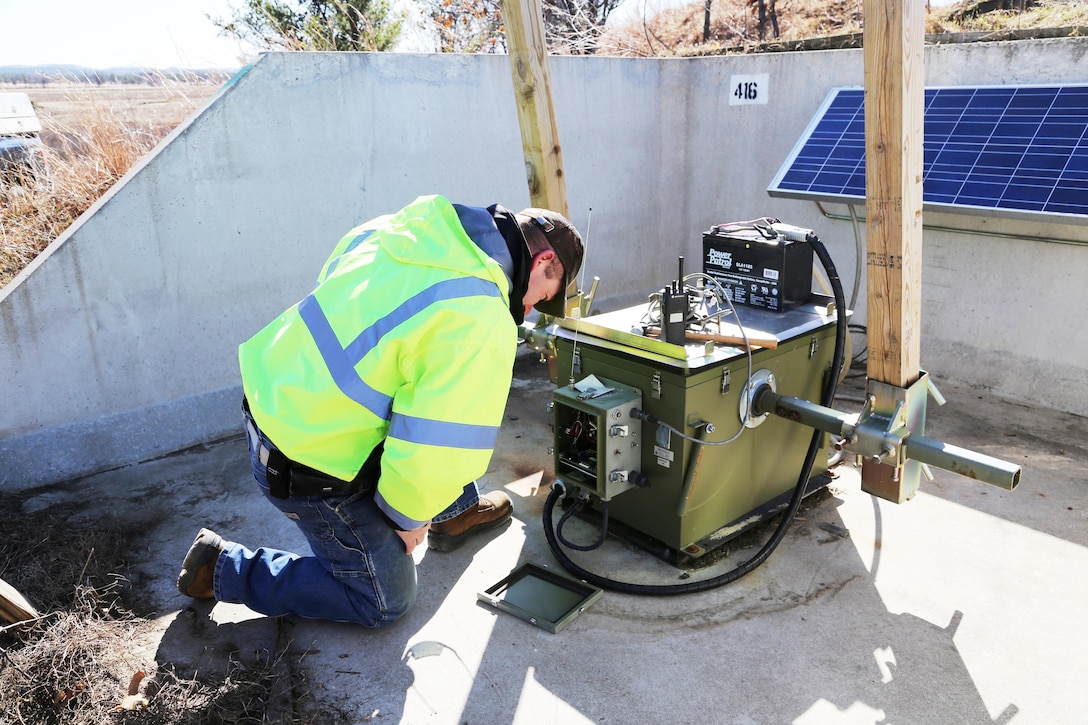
x: 1016, y: 151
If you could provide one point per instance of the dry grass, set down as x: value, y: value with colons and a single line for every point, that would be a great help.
x: 735, y: 27
x: 958, y: 18
x: 74, y: 664
x: 92, y: 135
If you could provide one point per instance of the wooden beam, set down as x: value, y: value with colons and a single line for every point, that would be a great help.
x: 894, y: 99
x: 524, y: 22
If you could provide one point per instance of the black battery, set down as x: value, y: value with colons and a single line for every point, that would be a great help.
x: 772, y: 274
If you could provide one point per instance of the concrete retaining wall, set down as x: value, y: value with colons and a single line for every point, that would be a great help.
x: 118, y: 344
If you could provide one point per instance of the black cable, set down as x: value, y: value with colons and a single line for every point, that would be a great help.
x: 575, y: 508
x: 795, y: 500
x: 859, y: 362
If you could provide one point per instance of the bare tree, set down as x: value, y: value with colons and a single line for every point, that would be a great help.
x: 574, y: 26
x: 468, y: 26
x: 765, y: 9
x: 476, y: 26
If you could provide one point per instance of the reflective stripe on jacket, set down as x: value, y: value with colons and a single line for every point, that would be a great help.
x: 408, y: 338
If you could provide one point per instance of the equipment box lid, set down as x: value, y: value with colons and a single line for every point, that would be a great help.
x: 615, y: 330
x: 541, y: 596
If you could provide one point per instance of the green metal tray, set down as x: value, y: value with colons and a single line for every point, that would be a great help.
x: 541, y: 596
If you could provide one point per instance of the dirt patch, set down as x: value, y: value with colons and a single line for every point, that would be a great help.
x: 81, y: 660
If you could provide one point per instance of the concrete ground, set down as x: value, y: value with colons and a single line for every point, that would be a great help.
x: 964, y: 605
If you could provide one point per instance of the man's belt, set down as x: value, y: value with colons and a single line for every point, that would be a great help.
x: 287, y: 478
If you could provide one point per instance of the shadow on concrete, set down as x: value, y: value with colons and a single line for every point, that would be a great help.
x: 687, y: 658
x: 1051, y: 447
x: 954, y: 607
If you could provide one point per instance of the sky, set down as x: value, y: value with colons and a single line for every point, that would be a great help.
x: 105, y: 34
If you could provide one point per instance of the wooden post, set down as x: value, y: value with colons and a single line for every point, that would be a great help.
x: 894, y: 101
x: 894, y: 98
x: 524, y: 22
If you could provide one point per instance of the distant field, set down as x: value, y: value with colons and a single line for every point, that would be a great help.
x: 69, y: 104
x: 91, y: 134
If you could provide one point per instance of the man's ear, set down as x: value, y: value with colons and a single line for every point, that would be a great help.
x: 544, y: 258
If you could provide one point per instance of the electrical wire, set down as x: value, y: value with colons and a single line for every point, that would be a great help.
x: 858, y: 362
x: 575, y: 508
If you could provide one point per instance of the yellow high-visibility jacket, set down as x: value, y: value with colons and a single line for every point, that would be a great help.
x: 407, y: 339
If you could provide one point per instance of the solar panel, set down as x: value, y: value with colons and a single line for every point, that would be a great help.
x: 1010, y: 150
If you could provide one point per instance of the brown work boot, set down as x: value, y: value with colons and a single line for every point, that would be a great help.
x: 494, y: 509
x: 198, y: 568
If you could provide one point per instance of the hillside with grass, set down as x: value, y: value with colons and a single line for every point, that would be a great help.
x: 747, y: 26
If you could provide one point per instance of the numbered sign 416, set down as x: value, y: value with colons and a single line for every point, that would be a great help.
x: 748, y: 89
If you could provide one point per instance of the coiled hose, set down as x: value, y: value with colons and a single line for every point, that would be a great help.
x: 795, y: 500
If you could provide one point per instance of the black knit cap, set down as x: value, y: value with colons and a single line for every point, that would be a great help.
x: 567, y: 243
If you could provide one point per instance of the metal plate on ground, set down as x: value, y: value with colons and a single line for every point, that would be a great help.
x: 541, y: 596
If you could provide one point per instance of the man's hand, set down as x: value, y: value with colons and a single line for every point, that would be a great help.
x: 415, y: 537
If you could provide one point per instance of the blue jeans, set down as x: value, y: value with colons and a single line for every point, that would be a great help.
x: 359, y: 571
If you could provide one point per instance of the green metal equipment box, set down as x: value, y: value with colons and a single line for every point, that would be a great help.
x: 679, y: 498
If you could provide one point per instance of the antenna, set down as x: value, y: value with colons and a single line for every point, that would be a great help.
x: 585, y: 263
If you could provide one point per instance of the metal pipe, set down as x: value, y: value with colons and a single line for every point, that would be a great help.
x: 804, y: 412
x: 693, y: 467
x: 915, y: 447
x: 978, y: 466
x: 959, y: 230
x: 859, y: 250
